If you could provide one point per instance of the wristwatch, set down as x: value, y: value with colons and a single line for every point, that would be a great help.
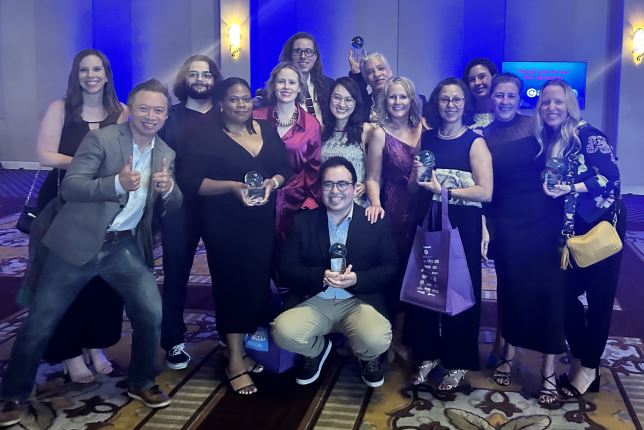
x: 572, y: 187
x: 449, y: 194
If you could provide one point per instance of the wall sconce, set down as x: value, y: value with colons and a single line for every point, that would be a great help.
x: 638, y: 45
x: 234, y: 39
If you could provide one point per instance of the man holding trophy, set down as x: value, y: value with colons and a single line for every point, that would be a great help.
x: 336, y: 266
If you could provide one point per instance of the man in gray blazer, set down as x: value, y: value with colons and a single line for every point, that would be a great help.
x: 104, y: 229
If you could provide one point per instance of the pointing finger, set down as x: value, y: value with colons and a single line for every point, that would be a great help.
x: 165, y: 165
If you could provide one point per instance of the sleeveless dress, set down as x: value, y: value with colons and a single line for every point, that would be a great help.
x: 336, y: 146
x: 400, y: 207
x: 95, y: 318
x: 431, y: 335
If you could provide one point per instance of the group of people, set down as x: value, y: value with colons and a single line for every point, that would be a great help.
x: 336, y: 162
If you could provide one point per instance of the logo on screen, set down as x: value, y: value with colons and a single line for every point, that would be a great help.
x: 532, y: 92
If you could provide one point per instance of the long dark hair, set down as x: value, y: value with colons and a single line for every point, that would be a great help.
x: 179, y: 88
x: 433, y: 115
x: 317, y: 75
x: 74, y: 96
x: 221, y: 89
x: 356, y: 119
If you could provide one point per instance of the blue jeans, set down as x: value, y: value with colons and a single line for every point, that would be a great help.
x: 120, y: 264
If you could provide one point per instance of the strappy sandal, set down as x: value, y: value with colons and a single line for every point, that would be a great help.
x: 501, y: 377
x: 548, y: 396
x: 568, y: 391
x: 452, y: 380
x: 251, y: 365
x: 243, y: 389
x: 424, y: 369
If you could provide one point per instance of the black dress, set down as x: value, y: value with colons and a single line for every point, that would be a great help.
x: 238, y: 239
x: 526, y: 231
x: 94, y: 319
x: 431, y: 335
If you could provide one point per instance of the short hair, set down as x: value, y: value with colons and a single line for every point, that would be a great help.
x: 433, y: 115
x: 504, y: 78
x: 356, y: 119
x: 153, y: 85
x: 565, y: 141
x: 480, y: 61
x: 179, y: 88
x: 74, y: 94
x: 371, y: 56
x: 221, y: 89
x: 270, y: 92
x: 415, y: 115
x: 337, y: 161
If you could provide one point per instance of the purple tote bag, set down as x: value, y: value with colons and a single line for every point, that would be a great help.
x: 437, y: 277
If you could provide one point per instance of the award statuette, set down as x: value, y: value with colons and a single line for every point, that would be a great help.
x: 428, y: 162
x: 338, y: 254
x: 554, y: 173
x: 255, y: 191
x: 357, y: 45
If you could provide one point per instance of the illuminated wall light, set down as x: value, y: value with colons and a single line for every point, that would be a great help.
x: 234, y: 39
x: 638, y: 45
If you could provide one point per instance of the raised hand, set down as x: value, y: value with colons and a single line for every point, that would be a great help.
x: 161, y: 180
x: 130, y: 179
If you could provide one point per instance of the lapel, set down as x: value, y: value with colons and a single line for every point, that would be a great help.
x: 323, y: 233
x: 353, y: 235
x: 125, y: 141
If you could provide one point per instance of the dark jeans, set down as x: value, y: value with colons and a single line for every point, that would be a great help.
x: 179, y: 237
x: 587, y: 330
x: 119, y: 263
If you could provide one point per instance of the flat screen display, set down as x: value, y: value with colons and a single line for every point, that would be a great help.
x: 535, y: 73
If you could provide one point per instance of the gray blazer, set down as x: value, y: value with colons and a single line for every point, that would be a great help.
x: 77, y: 232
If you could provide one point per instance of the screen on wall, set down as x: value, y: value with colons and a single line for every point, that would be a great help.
x: 535, y: 73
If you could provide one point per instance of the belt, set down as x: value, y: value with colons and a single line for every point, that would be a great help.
x: 115, y: 235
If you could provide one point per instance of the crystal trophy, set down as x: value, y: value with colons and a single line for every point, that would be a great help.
x: 338, y: 254
x: 428, y: 162
x: 555, y: 170
x: 357, y: 45
x: 255, y: 190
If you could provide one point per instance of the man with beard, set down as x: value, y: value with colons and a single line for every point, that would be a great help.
x: 190, y: 125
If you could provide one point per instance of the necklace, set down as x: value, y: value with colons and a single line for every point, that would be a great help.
x: 287, y: 124
x: 242, y: 131
x: 453, y: 135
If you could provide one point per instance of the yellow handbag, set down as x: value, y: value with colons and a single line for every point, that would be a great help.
x: 599, y: 243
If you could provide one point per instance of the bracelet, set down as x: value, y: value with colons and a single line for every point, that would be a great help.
x: 572, y: 188
x: 276, y: 182
x: 449, y: 194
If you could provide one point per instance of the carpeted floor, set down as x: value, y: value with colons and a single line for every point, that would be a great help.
x: 339, y: 400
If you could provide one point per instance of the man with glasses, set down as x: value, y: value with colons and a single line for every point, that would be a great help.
x: 322, y: 301
x: 191, y: 125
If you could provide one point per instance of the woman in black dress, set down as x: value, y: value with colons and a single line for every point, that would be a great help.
x: 588, y: 195
x: 94, y: 319
x: 237, y: 229
x: 524, y: 224
x: 464, y: 167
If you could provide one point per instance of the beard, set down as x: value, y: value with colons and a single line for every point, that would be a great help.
x: 200, y: 94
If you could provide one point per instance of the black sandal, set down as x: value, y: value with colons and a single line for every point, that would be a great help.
x: 501, y: 377
x: 568, y: 391
x: 548, y: 396
x: 240, y: 390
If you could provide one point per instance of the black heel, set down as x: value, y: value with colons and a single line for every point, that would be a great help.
x: 594, y: 386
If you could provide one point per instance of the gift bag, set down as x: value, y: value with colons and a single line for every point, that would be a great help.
x: 437, y: 276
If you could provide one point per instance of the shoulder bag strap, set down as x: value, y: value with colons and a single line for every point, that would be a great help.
x: 33, y: 185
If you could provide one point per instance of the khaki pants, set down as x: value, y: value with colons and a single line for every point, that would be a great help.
x: 302, y: 328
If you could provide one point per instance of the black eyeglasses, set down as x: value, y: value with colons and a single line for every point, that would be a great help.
x: 341, y: 185
x: 456, y: 101
x: 307, y: 52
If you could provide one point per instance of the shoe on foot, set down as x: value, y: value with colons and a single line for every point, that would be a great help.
x: 100, y: 362
x: 10, y: 413
x: 176, y: 357
x: 308, y: 368
x: 452, y: 380
x: 567, y: 389
x: 548, y: 392
x: 251, y: 365
x: 152, y: 397
x: 503, y: 377
x: 238, y: 385
x: 373, y: 374
x: 77, y: 370
x: 422, y: 372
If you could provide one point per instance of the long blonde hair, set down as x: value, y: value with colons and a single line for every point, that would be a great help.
x: 382, y: 114
x: 564, y: 141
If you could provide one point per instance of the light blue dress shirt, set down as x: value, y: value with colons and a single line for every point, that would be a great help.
x: 338, y: 234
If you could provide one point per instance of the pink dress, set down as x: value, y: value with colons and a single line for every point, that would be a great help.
x: 303, y: 145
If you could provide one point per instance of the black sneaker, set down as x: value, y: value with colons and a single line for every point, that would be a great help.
x: 308, y: 368
x: 177, y: 357
x: 10, y: 412
x: 373, y: 373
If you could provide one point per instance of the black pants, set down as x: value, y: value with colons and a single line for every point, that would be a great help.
x: 179, y: 238
x: 587, y: 330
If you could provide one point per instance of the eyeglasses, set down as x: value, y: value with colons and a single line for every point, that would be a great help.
x: 337, y: 98
x: 206, y: 76
x: 456, y: 101
x: 307, y: 52
x: 341, y: 185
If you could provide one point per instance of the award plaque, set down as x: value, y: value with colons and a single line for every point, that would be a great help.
x: 338, y: 254
x: 555, y: 170
x: 357, y: 48
x: 428, y: 162
x: 255, y: 182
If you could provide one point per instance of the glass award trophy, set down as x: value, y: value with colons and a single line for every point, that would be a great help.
x: 255, y: 191
x: 555, y: 170
x: 338, y: 254
x: 357, y: 48
x: 428, y: 162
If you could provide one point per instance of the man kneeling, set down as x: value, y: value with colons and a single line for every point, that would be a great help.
x: 349, y: 301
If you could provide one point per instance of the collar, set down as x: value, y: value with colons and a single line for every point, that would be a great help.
x: 348, y: 218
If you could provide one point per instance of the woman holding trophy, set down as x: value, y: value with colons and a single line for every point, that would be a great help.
x: 235, y: 178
